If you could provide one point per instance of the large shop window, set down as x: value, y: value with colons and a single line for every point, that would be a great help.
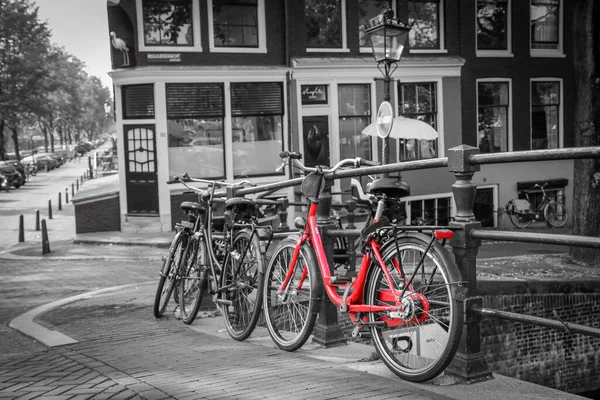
x: 368, y: 9
x: 493, y: 116
x: 424, y: 18
x: 235, y: 23
x: 355, y: 115
x: 256, y: 123
x: 492, y: 25
x: 168, y: 23
x: 418, y: 101
x: 545, y: 25
x: 195, y: 114
x: 545, y: 114
x: 324, y: 21
x: 138, y: 101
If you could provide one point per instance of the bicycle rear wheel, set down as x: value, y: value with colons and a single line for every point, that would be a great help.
x: 556, y: 214
x: 193, y: 280
x: 519, y: 219
x: 291, y: 314
x: 419, y: 342
x: 243, y: 281
x: 168, y: 274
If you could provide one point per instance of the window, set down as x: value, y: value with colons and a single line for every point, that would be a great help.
x: 237, y: 26
x: 355, y: 115
x: 368, y: 9
x: 425, y: 20
x: 493, y: 26
x: 325, y: 22
x: 138, y: 101
x: 168, y: 25
x: 545, y: 114
x: 418, y: 101
x: 545, y: 26
x: 256, y: 120
x: 493, y: 104
x: 434, y: 211
x: 195, y: 114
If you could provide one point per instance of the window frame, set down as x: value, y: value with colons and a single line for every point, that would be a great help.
x: 561, y: 119
x: 340, y: 116
x: 509, y: 116
x: 439, y: 106
x: 559, y: 51
x: 196, y: 47
x: 502, y: 52
x: 344, y: 48
x: 262, y: 32
x: 369, y: 49
x: 441, y: 30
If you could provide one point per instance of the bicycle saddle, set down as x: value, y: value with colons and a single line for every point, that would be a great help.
x: 392, y: 187
x: 239, y: 201
x: 192, y: 205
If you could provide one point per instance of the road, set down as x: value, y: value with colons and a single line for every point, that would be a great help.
x: 36, y: 195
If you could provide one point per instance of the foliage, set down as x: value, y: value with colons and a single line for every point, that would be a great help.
x: 40, y: 83
x: 323, y: 23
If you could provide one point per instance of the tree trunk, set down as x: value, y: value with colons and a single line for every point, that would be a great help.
x: 15, y: 138
x: 2, y: 145
x: 586, y: 179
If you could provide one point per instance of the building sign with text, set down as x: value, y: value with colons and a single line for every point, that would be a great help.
x: 163, y: 57
x: 314, y: 94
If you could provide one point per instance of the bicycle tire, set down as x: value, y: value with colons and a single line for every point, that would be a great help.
x: 168, y: 274
x: 290, y: 318
x: 423, y: 348
x: 192, y: 284
x: 243, y: 276
x: 518, y: 219
x: 555, y: 214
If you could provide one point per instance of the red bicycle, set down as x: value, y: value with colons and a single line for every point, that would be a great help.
x: 405, y: 291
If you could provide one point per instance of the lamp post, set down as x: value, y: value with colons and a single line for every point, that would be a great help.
x: 388, y: 38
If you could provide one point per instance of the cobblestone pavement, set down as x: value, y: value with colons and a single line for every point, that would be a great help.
x: 125, y: 353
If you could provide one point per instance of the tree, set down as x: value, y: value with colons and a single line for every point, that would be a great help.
x: 586, y: 57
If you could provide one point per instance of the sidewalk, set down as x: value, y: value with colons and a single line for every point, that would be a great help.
x: 107, y: 345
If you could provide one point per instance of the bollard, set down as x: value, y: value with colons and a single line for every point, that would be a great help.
x: 327, y: 331
x: 72, y: 190
x: 66, y: 195
x: 45, y: 241
x: 21, y: 229
x: 49, y: 209
x: 282, y: 207
x: 59, y: 201
x: 46, y: 167
x: 37, y: 220
x: 77, y: 186
x: 468, y: 363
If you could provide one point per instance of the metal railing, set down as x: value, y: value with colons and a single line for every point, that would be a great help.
x: 463, y: 161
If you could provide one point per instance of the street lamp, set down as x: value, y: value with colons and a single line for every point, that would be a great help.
x: 388, y: 39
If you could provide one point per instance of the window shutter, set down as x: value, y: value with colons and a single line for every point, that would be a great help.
x: 194, y: 100
x: 138, y: 101
x: 264, y: 98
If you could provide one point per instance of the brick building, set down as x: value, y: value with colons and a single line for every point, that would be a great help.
x: 217, y: 88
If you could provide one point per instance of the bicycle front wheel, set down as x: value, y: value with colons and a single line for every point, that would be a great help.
x: 519, y: 219
x: 555, y: 214
x: 418, y: 341
x: 169, y: 274
x: 242, y: 283
x: 291, y: 312
x: 193, y: 280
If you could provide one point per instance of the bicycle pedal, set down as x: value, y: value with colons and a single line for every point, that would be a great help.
x: 339, y: 279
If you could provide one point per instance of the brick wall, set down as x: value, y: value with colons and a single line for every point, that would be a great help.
x: 540, y: 355
x: 102, y: 215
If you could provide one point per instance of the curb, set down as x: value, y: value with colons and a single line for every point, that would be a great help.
x: 25, y: 324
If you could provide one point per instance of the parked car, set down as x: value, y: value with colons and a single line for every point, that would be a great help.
x: 12, y: 175
x: 18, y: 166
x: 41, y: 161
x: 59, y: 160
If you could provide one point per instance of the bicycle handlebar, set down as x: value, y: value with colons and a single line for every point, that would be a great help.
x: 295, y: 157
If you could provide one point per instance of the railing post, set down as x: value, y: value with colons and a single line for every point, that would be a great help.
x: 327, y: 332
x: 469, y: 362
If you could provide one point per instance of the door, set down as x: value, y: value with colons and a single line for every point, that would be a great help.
x: 140, y: 169
x: 315, y: 132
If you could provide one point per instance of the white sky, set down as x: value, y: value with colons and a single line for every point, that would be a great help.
x: 81, y: 27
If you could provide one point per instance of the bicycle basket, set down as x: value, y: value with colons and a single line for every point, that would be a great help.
x: 521, y: 205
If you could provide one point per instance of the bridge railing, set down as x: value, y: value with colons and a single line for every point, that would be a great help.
x: 463, y: 161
